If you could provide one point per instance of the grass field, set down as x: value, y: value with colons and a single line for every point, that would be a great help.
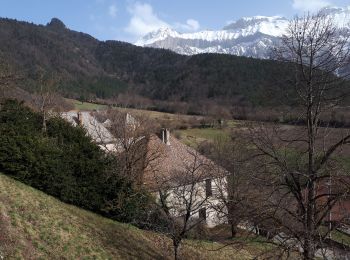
x: 78, y: 105
x: 37, y: 226
x: 341, y: 237
x: 86, y: 106
x: 168, y: 120
x: 157, y: 114
x: 194, y: 136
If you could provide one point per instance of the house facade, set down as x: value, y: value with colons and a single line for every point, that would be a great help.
x: 173, y: 172
x: 181, y: 176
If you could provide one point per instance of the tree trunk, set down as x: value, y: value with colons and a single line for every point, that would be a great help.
x: 176, y: 249
x: 233, y: 230
x: 309, y: 250
x: 44, y: 127
x: 43, y: 113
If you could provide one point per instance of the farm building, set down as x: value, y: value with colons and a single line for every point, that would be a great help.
x: 169, y: 165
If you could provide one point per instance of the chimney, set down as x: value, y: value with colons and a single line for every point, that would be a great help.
x: 80, y: 118
x: 166, y: 136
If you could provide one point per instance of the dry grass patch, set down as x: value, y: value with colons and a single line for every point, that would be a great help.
x: 37, y: 226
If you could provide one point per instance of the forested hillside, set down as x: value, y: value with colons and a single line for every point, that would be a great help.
x: 86, y: 66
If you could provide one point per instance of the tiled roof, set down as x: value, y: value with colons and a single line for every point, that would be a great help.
x: 96, y: 130
x: 176, y: 159
x: 166, y: 162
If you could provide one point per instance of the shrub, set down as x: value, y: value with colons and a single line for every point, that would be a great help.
x: 63, y: 162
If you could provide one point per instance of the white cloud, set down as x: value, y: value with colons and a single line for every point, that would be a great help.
x: 112, y: 10
x: 190, y: 25
x: 143, y: 20
x: 310, y: 5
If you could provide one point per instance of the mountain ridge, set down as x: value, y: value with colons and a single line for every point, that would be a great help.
x: 249, y: 36
x: 90, y: 68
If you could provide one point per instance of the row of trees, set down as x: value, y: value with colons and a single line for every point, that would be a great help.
x: 289, y: 181
x: 265, y: 185
x: 296, y: 176
x: 299, y: 164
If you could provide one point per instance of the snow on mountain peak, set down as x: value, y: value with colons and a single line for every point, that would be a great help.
x: 340, y: 16
x: 261, y: 17
x: 159, y: 35
x: 274, y: 25
x: 248, y: 36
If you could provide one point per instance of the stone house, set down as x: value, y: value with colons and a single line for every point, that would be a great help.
x: 168, y: 167
x: 179, y: 171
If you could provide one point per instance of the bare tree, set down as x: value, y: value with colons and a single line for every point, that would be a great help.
x: 46, y: 97
x: 298, y: 163
x: 125, y: 138
x: 232, y: 188
x: 183, y: 198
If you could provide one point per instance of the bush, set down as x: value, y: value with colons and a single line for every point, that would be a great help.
x: 63, y: 162
x: 200, y: 232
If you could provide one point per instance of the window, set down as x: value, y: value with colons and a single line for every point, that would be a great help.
x: 203, y: 213
x: 208, y: 188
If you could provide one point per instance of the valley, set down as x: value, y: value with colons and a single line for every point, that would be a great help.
x: 128, y: 133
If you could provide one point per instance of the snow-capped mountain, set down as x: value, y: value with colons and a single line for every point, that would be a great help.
x: 248, y: 36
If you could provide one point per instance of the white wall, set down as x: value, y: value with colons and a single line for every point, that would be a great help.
x: 175, y: 201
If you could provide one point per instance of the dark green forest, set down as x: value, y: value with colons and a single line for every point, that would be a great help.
x: 89, y: 67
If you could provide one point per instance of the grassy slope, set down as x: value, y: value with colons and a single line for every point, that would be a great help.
x: 37, y: 226
x: 191, y: 136
x: 78, y: 105
x: 195, y: 136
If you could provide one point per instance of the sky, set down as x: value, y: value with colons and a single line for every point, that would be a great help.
x: 128, y: 20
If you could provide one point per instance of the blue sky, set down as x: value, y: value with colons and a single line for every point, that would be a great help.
x: 127, y: 20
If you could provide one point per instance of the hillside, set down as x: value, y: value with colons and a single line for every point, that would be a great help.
x: 34, y: 225
x: 89, y: 67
